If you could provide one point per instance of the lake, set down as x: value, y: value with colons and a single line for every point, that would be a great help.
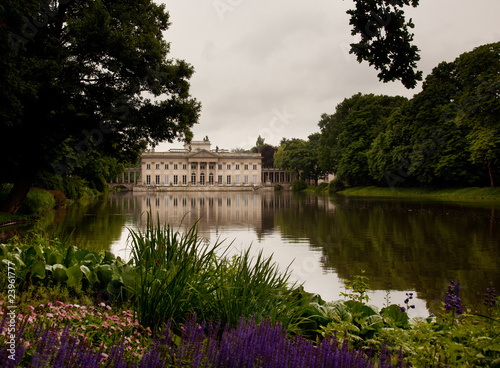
x: 402, y: 246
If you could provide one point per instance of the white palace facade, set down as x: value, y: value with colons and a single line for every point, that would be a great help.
x: 198, y: 167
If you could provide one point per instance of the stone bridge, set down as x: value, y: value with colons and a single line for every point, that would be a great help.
x: 130, y: 177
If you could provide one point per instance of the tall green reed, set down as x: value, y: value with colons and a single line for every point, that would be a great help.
x: 171, y: 270
x: 178, y: 275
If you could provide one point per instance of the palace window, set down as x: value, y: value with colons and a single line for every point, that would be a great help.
x: 228, y: 179
x: 148, y: 179
x: 246, y: 167
x: 175, y: 166
x: 193, y: 166
x: 166, y: 166
x: 202, y: 179
x: 237, y: 180
x: 157, y: 166
x: 193, y: 179
x: 219, y: 179
x: 166, y: 179
x: 176, y: 179
x: 245, y: 179
x: 229, y: 167
x: 211, y: 179
x: 184, y: 166
x: 184, y: 179
x: 211, y: 166
x: 202, y: 166
x: 255, y: 179
x: 148, y: 166
x: 255, y: 167
x: 237, y: 167
x: 220, y: 166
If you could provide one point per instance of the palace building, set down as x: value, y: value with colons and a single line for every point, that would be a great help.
x: 197, y: 166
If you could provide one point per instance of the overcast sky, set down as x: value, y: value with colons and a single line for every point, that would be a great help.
x: 272, y: 67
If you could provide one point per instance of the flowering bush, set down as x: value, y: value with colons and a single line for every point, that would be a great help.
x: 248, y: 345
x: 94, y: 327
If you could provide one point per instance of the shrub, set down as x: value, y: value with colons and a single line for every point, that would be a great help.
x: 336, y: 185
x: 298, y: 185
x: 321, y: 188
x: 37, y: 201
x: 249, y: 344
x: 277, y: 188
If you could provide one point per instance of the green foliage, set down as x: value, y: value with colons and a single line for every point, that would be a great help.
x: 321, y: 188
x: 386, y: 42
x: 91, y: 66
x: 299, y: 185
x: 447, y: 135
x: 346, y: 136
x: 336, y: 185
x: 358, y: 288
x: 36, y: 201
x: 300, y: 156
x: 176, y: 275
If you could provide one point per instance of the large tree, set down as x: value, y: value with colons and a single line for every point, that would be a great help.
x: 300, y: 156
x: 347, y: 135
x: 89, y: 75
x: 449, y: 133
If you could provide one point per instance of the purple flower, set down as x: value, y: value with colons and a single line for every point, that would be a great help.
x: 452, y: 302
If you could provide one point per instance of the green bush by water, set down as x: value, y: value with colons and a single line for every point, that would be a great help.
x: 299, y: 185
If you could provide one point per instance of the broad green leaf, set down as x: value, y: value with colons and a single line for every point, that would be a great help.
x: 104, y: 273
x: 108, y: 257
x: 394, y: 314
x: 54, y: 257
x: 114, y: 287
x: 81, y: 254
x: 89, y: 275
x: 38, y: 270
x: 75, y: 276
x: 59, y: 273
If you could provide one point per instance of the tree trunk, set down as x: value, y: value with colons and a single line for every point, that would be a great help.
x: 17, y: 194
x: 490, y: 171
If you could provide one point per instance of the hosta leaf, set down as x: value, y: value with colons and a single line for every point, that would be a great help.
x: 59, y: 273
x: 89, y: 275
x: 75, y: 276
x: 104, y: 273
x: 38, y: 270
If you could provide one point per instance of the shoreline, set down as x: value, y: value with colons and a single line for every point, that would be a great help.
x: 468, y: 193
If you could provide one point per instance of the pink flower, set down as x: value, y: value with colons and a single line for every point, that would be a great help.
x: 32, y: 309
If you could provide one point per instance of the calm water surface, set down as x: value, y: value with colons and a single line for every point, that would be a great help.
x: 402, y: 245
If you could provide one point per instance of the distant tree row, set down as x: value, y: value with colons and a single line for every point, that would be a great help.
x: 447, y: 135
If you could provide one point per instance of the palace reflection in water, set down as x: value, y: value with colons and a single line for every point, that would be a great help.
x: 401, y: 245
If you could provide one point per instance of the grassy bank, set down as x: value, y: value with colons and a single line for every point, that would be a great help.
x: 36, y: 202
x: 450, y: 193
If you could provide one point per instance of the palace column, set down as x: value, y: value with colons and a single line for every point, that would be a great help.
x: 198, y: 165
x: 216, y: 173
